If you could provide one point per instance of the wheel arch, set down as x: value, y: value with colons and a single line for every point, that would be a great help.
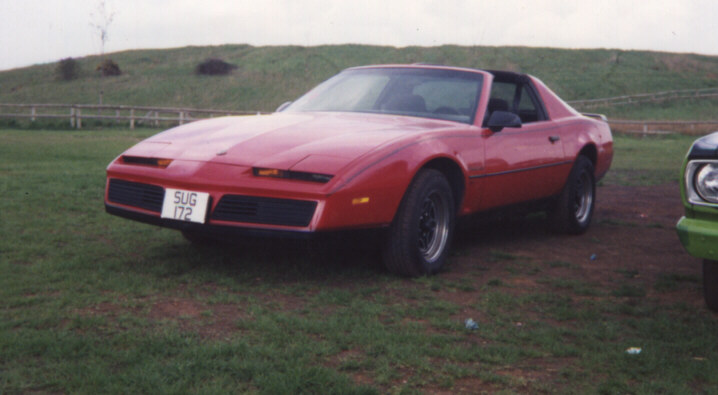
x: 453, y: 173
x: 591, y: 152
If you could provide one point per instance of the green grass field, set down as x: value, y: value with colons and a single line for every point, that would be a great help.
x: 636, y: 162
x: 269, y: 76
x: 670, y: 110
x: 91, y: 303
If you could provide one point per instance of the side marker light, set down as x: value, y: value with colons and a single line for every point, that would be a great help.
x: 361, y: 200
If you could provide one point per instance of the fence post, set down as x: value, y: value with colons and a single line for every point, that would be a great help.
x: 157, y: 121
x: 79, y: 118
x: 33, y: 111
x: 72, y: 117
x: 181, y: 117
x: 132, y: 119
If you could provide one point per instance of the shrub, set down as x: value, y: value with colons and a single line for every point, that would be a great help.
x: 213, y: 66
x: 67, y: 69
x: 109, y: 68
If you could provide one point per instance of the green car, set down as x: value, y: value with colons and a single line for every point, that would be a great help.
x: 698, y: 229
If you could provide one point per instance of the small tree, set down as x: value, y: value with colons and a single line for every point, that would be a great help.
x: 101, y: 23
x: 214, y: 66
x: 67, y: 69
x: 109, y: 68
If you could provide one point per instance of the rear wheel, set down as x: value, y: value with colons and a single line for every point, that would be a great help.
x: 573, y: 210
x: 420, y: 235
x: 710, y: 284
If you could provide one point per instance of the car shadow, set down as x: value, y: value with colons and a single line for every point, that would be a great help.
x: 329, y: 257
x: 347, y: 255
x: 494, y: 228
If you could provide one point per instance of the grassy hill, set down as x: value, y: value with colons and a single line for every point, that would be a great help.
x: 268, y: 76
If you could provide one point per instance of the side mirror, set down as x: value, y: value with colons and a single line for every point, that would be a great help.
x: 503, y: 119
x: 283, y: 106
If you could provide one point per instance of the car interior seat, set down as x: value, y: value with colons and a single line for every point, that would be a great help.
x: 495, y: 104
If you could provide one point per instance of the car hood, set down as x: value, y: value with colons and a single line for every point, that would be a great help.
x: 705, y: 147
x: 312, y: 142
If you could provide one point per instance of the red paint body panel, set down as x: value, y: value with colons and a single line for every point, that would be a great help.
x: 369, y: 156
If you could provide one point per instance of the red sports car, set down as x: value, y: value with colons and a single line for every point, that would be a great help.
x: 407, y: 148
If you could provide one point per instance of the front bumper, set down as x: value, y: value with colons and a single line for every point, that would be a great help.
x: 699, y: 237
x: 210, y: 229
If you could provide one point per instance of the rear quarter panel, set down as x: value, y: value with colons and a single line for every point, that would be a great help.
x: 578, y: 131
x: 581, y: 133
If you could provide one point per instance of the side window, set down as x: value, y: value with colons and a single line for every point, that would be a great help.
x: 528, y: 111
x: 503, y: 91
x: 500, y: 99
x: 526, y: 105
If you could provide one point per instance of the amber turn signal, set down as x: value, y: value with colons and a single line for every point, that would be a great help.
x: 292, y: 175
x: 140, y: 160
x: 268, y: 172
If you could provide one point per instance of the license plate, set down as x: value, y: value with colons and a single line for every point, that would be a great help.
x: 184, y: 205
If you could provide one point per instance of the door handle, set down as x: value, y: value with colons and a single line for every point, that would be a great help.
x: 554, y: 139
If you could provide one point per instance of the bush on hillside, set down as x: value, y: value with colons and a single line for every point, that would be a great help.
x: 214, y: 66
x: 109, y: 68
x: 67, y: 69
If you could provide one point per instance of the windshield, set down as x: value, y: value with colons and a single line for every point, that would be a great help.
x: 429, y: 93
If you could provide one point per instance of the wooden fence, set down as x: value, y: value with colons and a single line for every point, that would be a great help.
x: 644, y: 97
x: 132, y: 115
x: 162, y: 116
x: 663, y: 127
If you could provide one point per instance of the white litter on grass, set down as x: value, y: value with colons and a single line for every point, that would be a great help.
x: 633, y: 350
x: 471, y: 324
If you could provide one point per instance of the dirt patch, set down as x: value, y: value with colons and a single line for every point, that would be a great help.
x: 216, y: 321
x: 176, y: 308
x: 632, y: 238
x: 467, y: 385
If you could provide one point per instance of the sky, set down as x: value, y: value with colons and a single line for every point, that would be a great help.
x: 42, y: 31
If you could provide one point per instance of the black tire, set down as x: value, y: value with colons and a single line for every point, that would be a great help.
x: 420, y: 236
x: 710, y: 284
x: 573, y: 209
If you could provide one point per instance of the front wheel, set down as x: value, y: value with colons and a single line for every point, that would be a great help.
x: 573, y: 210
x: 420, y: 235
x: 710, y: 284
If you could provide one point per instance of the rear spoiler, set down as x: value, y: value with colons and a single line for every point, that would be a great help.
x: 597, y: 116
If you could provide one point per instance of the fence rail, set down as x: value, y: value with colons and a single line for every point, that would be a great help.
x: 161, y: 116
x: 644, y: 97
x: 134, y: 115
x: 663, y: 127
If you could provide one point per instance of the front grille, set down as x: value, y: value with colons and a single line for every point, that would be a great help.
x: 261, y: 210
x: 135, y: 194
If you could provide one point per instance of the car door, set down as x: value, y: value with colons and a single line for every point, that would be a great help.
x: 522, y: 164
